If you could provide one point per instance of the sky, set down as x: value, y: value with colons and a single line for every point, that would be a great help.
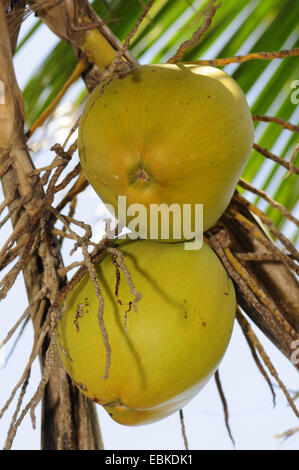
x: 253, y: 420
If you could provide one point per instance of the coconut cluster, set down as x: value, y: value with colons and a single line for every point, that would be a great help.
x: 164, y: 137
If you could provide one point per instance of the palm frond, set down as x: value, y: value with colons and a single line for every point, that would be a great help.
x: 239, y: 27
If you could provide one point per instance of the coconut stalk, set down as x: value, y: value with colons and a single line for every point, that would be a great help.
x: 279, y: 285
x: 79, y: 429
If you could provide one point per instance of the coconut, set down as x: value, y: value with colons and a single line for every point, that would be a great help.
x: 167, y: 135
x: 165, y: 349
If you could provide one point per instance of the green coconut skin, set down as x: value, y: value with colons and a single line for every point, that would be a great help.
x: 169, y: 134
x: 161, y: 355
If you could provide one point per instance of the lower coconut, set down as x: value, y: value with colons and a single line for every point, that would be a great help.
x: 163, y: 353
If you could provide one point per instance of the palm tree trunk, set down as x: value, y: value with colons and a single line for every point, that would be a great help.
x: 69, y: 423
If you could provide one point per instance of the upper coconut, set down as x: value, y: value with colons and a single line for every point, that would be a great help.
x: 167, y: 134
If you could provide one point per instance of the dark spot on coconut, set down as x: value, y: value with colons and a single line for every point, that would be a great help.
x: 83, y: 387
x: 79, y: 314
x: 209, y: 96
x: 204, y: 324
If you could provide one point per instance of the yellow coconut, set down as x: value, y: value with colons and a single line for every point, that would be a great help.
x: 164, y: 353
x: 167, y: 134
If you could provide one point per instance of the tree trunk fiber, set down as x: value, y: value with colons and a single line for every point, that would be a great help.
x: 70, y: 423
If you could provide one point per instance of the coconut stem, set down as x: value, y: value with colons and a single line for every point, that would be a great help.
x: 102, y: 51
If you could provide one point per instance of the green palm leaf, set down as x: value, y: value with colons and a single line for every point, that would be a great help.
x: 239, y: 27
